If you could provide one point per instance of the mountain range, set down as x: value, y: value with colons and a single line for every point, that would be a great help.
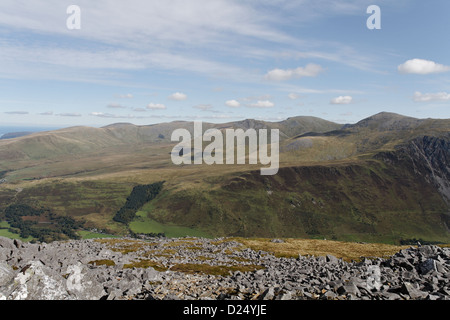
x: 385, y: 178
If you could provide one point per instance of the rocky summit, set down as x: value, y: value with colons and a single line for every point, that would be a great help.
x: 211, y: 269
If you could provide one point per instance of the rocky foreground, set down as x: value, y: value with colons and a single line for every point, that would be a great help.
x: 205, y: 269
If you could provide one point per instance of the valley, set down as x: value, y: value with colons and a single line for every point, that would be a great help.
x: 384, y: 179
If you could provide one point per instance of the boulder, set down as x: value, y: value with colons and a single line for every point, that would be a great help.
x: 349, y: 289
x: 332, y: 259
x: 413, y: 291
x: 268, y: 294
x: 427, y: 266
x: 82, y: 285
x: 36, y: 282
x: 6, y: 273
x: 7, y: 243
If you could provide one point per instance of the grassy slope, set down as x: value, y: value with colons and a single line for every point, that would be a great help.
x: 362, y: 201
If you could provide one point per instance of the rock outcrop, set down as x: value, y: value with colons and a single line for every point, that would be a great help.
x: 187, y: 269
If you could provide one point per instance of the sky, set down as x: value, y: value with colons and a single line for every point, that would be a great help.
x: 153, y: 61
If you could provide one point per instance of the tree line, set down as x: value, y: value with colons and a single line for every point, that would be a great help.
x: 59, y: 227
x: 139, y: 196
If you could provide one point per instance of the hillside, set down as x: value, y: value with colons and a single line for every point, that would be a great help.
x: 385, y: 178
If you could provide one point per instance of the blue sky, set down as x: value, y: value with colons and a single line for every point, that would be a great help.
x: 146, y: 62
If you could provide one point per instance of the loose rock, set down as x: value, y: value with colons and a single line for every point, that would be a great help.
x: 204, y: 269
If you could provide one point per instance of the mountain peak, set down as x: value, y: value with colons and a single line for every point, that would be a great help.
x: 388, y: 121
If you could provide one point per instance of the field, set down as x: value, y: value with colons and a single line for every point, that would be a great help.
x: 143, y: 224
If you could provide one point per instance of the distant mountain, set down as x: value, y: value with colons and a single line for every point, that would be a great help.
x: 82, y: 140
x: 388, y: 121
x: 384, y: 178
x: 12, y: 135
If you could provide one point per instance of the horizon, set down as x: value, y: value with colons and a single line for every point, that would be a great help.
x: 53, y: 127
x: 221, y: 61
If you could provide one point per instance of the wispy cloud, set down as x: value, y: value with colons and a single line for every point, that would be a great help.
x: 261, y: 104
x: 156, y: 106
x: 69, y: 114
x: 427, y: 97
x: 103, y: 115
x: 184, y: 35
x: 310, y: 70
x: 17, y: 112
x: 125, y: 96
x: 115, y: 106
x: 203, y: 107
x: 293, y: 96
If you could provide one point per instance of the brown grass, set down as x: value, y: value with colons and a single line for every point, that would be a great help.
x: 123, y: 246
x: 103, y: 262
x: 346, y: 250
x: 213, y: 270
x: 144, y: 263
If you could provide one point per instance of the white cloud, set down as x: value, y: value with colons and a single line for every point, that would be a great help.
x: 48, y: 113
x: 110, y: 115
x: 440, y: 96
x: 156, y: 106
x: 184, y: 35
x: 342, y: 100
x: 310, y: 70
x: 262, y: 104
x: 233, y: 103
x: 293, y: 96
x: 102, y: 115
x: 178, y: 96
x: 420, y: 66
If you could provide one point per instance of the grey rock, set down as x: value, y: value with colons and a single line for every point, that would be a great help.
x: 285, y: 296
x: 440, y: 267
x: 17, y: 243
x: 412, y: 290
x: 386, y: 295
x: 268, y: 294
x: 329, y: 295
x: 402, y: 262
x: 151, y: 274
x: 6, y: 273
x: 321, y: 259
x: 427, y: 266
x: 82, y: 285
x: 349, y: 289
x: 332, y: 259
x: 7, y: 243
x: 426, y: 251
x: 414, y: 273
x: 277, y: 241
x: 36, y: 282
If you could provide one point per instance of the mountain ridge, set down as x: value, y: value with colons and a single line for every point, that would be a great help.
x: 384, y: 178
